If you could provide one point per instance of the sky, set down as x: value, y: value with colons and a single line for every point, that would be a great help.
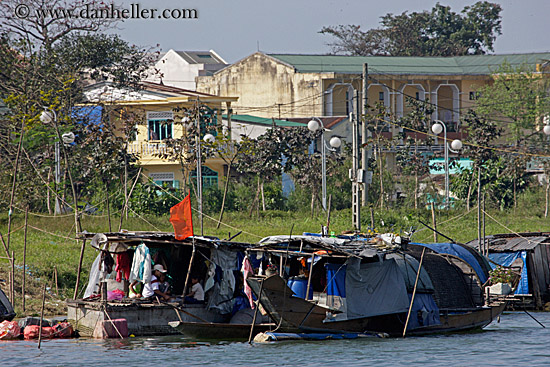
x: 238, y: 28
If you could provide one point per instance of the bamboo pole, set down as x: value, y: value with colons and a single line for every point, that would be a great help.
x: 125, y: 208
x: 79, y: 268
x: 414, y: 291
x: 372, y: 218
x: 485, y: 247
x: 189, y: 270
x: 55, y: 279
x: 14, y: 181
x: 24, y: 258
x: 41, y: 316
x: 479, y: 210
x: 10, y: 280
x: 255, y: 312
x: 12, y: 285
x: 434, y: 222
x: 309, y: 277
x: 225, y: 188
x: 108, y: 205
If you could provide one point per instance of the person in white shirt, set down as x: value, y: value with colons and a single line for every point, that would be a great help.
x: 197, y: 292
x: 151, y: 289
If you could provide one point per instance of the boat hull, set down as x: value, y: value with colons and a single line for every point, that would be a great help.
x: 295, y: 314
x: 143, y: 319
x: 219, y: 331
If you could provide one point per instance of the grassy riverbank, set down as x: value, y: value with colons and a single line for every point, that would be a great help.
x: 50, y: 240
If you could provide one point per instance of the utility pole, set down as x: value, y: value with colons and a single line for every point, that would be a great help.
x: 364, y: 131
x: 355, y: 194
x: 199, y: 164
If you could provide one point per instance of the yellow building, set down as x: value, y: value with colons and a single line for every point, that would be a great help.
x: 288, y: 86
x: 156, y: 111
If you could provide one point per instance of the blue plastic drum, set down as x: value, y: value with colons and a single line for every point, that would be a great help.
x: 299, y: 287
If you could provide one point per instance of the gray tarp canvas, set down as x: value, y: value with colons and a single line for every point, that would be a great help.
x: 5, y: 306
x: 408, y: 266
x: 374, y: 289
x: 222, y: 292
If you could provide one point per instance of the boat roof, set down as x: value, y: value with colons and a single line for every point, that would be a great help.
x: 354, y: 246
x: 159, y: 239
x: 512, y: 242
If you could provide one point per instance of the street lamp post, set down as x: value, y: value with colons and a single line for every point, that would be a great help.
x: 48, y: 116
x: 208, y: 138
x: 456, y: 145
x: 314, y: 125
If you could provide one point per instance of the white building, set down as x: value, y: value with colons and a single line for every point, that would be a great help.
x: 180, y: 68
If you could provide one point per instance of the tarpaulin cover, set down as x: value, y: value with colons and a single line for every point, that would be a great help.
x: 336, y: 279
x: 224, y: 287
x: 336, y: 288
x: 374, y: 289
x: 88, y: 115
x: 506, y: 259
x: 408, y: 266
x: 458, y: 251
x: 6, y: 308
x: 424, y: 311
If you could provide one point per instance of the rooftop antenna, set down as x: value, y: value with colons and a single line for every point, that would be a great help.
x: 258, y: 46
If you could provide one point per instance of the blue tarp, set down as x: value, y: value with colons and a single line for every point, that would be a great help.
x: 506, y: 259
x: 336, y: 280
x: 271, y: 336
x: 458, y: 251
x: 88, y: 114
x: 424, y: 311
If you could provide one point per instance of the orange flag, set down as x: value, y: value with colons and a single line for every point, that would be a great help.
x: 181, y: 219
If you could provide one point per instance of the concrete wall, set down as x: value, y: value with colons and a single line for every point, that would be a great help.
x: 266, y: 88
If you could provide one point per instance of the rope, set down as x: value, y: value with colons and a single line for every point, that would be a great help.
x: 145, y: 220
x: 469, y: 144
x: 448, y: 220
x: 508, y: 229
x: 197, y: 211
x: 52, y: 234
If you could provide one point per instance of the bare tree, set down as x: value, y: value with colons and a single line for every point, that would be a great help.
x: 44, y: 22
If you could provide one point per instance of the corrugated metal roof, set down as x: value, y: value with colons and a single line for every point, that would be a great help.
x: 512, y: 242
x: 405, y: 65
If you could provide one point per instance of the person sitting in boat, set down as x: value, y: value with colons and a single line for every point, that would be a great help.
x: 164, y: 286
x: 197, y: 292
x: 152, y: 289
x: 135, y: 289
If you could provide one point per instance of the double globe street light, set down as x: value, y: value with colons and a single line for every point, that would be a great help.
x: 456, y: 145
x: 314, y: 125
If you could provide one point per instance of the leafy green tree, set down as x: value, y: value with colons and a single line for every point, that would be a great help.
x: 482, y: 133
x: 439, y: 32
x: 518, y: 100
x: 44, y: 63
x: 409, y: 159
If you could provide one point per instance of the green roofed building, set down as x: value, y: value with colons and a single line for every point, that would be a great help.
x: 286, y: 86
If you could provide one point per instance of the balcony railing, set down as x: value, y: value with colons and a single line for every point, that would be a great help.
x: 147, y: 149
x: 156, y: 149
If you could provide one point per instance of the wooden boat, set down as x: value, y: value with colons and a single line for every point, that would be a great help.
x: 448, y: 294
x: 219, y: 331
x: 147, y: 317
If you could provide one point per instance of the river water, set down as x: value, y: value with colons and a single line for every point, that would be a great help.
x: 517, y: 340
